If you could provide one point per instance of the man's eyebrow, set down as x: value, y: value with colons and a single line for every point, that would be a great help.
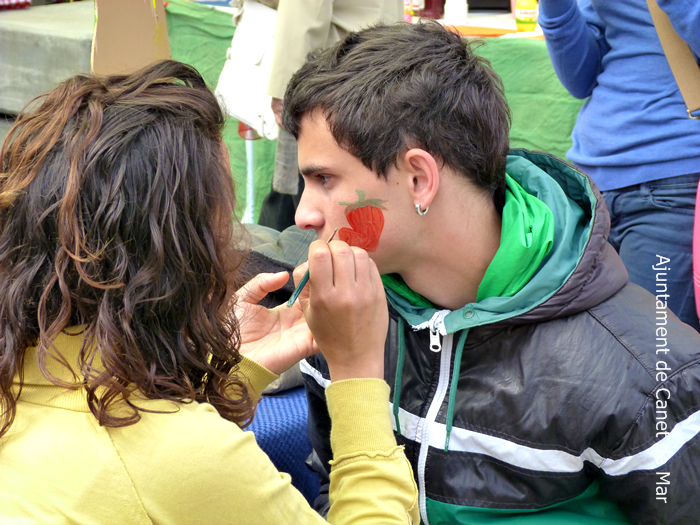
x: 310, y: 170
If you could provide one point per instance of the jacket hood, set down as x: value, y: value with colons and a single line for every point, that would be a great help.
x: 581, y: 271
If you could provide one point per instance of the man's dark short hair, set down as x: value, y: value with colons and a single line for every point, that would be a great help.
x: 389, y: 88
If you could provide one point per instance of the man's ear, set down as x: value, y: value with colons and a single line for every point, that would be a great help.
x: 423, y: 176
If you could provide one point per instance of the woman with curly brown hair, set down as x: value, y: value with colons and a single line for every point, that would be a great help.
x: 123, y: 386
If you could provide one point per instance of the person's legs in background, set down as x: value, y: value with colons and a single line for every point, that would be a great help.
x: 278, y: 209
x: 280, y: 205
x: 653, y: 220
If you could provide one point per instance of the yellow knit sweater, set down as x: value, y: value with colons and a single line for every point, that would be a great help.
x: 189, y: 465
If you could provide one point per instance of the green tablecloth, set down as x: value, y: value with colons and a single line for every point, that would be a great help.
x: 543, y: 111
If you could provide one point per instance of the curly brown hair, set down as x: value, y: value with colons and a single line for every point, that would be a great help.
x: 116, y: 206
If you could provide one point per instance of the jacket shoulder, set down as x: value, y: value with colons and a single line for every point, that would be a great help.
x: 644, y: 326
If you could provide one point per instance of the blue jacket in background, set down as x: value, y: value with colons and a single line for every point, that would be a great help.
x: 634, y: 127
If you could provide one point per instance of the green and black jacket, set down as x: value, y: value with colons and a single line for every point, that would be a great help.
x: 545, y: 406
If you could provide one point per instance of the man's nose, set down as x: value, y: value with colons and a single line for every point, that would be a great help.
x: 308, y: 216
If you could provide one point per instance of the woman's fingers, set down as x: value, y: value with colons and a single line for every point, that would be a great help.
x: 259, y: 286
x: 347, y: 311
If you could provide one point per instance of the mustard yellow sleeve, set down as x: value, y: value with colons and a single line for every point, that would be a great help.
x: 192, y: 466
x: 257, y: 375
x: 371, y: 479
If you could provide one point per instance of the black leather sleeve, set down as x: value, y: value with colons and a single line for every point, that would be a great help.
x: 664, y: 496
x: 668, y: 493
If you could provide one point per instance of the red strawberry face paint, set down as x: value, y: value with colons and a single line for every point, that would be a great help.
x: 366, y: 220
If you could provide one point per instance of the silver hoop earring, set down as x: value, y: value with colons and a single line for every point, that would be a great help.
x: 421, y: 212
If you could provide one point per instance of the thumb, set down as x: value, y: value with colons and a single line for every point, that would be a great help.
x: 261, y: 285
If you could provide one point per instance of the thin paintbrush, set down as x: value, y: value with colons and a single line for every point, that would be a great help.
x: 305, y: 279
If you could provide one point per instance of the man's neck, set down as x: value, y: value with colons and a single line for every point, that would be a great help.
x: 449, y: 260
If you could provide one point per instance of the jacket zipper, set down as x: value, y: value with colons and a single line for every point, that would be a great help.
x: 443, y: 382
x: 434, y: 340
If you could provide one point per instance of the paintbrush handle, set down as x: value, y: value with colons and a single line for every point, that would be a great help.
x: 298, y: 289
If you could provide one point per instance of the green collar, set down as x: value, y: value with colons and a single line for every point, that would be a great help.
x: 527, y: 235
x: 395, y: 282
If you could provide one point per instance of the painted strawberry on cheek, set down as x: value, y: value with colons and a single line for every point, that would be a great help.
x: 366, y: 220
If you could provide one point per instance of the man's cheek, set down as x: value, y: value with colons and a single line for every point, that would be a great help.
x: 366, y: 222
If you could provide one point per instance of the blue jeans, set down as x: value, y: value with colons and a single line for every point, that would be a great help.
x: 656, y: 219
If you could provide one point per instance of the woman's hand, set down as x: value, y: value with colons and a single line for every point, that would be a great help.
x: 345, y: 308
x: 275, y: 338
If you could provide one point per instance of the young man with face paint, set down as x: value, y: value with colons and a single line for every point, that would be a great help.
x: 525, y: 368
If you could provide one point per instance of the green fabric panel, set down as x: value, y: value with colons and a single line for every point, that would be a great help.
x: 543, y: 112
x: 264, y: 155
x: 394, y: 282
x: 586, y: 509
x: 200, y: 35
x: 527, y: 235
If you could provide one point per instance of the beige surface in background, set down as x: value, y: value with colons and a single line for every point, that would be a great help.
x: 129, y: 34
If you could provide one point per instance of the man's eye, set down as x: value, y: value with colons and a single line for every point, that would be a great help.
x: 324, y: 179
